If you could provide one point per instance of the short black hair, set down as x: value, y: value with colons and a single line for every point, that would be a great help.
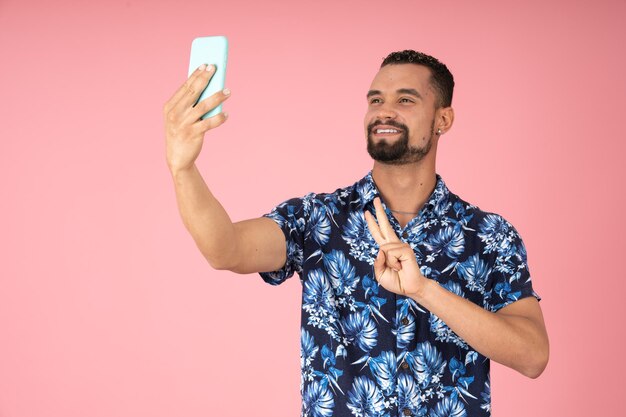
x: 440, y: 77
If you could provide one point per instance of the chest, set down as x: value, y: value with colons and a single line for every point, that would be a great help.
x: 342, y: 251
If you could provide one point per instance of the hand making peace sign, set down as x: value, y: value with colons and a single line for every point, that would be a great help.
x: 395, y: 266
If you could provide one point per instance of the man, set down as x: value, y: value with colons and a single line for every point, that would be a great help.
x: 408, y: 291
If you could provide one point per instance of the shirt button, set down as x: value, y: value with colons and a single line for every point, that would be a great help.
x: 405, y: 365
x: 405, y: 321
x: 405, y: 234
x: 407, y: 412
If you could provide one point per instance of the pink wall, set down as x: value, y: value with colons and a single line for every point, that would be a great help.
x: 106, y: 307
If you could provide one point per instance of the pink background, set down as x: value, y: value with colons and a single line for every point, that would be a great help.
x: 108, y: 309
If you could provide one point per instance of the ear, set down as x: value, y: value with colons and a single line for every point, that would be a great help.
x: 444, y: 118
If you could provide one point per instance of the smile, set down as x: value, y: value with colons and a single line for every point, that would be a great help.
x: 386, y: 130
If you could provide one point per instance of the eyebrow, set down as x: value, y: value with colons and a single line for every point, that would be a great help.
x: 410, y: 91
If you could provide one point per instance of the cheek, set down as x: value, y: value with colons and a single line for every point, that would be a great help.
x: 367, y: 119
x: 370, y: 116
x: 418, y: 122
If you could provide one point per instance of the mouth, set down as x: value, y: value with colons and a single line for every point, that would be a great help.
x: 385, y: 131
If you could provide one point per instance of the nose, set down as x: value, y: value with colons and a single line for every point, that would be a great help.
x: 386, y: 112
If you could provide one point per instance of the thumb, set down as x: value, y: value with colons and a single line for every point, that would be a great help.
x: 379, y: 262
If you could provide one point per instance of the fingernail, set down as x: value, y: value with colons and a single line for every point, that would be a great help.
x: 202, y: 67
x: 226, y: 92
x: 210, y: 68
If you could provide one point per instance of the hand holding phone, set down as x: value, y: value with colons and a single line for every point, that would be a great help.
x: 211, y: 50
x: 187, y: 118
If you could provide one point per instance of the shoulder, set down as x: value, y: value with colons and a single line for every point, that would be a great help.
x: 473, y: 215
x: 340, y: 199
x: 493, y: 230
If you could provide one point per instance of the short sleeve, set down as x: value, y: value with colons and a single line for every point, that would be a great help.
x: 291, y: 217
x: 509, y: 279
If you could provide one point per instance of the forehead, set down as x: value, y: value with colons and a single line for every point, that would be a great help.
x: 393, y: 77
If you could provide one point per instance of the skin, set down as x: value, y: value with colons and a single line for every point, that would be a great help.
x: 514, y: 336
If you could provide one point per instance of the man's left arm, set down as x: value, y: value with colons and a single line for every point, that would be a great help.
x: 514, y: 336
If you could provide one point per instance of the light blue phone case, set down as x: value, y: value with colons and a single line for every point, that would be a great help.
x: 210, y: 50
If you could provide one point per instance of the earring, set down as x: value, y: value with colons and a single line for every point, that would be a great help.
x: 438, y: 132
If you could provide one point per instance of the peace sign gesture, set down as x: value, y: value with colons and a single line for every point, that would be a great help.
x: 395, y: 266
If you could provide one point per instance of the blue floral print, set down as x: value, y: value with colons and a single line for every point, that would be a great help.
x: 365, y: 398
x: 317, y: 401
x: 366, y: 352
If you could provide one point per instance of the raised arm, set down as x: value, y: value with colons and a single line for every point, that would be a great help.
x: 254, y: 245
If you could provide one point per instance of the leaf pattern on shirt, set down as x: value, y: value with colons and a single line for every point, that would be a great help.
x: 366, y: 352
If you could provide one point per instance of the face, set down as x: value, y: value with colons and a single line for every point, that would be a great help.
x: 400, y: 118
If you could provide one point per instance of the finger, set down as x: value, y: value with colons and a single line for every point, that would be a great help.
x: 210, y: 122
x: 185, y: 87
x: 386, y: 229
x: 399, y: 251
x: 379, y: 266
x: 373, y: 228
x: 379, y: 262
x: 208, y: 104
x: 196, y: 86
x: 395, y: 245
x: 394, y: 258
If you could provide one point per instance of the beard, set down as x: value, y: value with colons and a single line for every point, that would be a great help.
x: 398, y: 152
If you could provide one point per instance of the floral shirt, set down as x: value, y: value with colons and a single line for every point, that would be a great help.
x: 367, y: 352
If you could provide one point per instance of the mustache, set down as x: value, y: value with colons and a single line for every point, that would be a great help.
x: 393, y: 123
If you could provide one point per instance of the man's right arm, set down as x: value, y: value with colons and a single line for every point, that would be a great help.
x: 255, y: 245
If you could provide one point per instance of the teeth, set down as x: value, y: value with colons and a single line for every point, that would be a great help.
x: 386, y: 131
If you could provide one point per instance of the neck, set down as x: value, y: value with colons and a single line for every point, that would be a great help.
x: 405, y: 188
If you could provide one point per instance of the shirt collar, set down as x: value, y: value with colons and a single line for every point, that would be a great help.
x: 367, y: 191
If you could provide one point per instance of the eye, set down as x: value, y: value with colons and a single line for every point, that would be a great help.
x: 406, y: 100
x: 375, y: 100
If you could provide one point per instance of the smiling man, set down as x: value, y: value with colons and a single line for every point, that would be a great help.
x: 408, y: 290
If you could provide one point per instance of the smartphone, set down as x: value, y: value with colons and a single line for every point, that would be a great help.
x: 210, y: 50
